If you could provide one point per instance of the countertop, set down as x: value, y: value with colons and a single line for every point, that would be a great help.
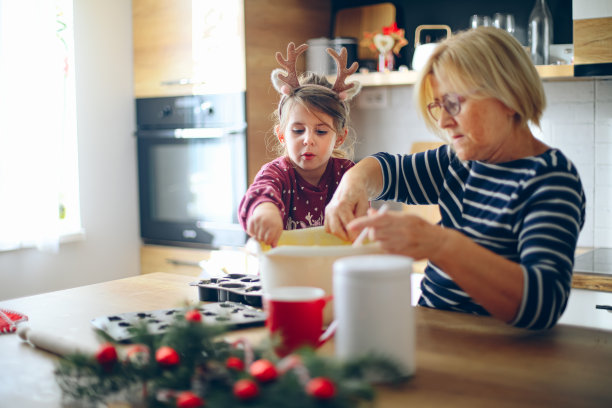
x: 462, y: 360
x: 593, y: 269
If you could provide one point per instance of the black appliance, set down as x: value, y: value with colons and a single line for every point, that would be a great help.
x: 191, y: 169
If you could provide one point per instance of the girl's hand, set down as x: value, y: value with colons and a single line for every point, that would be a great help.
x: 400, y: 233
x: 266, y: 224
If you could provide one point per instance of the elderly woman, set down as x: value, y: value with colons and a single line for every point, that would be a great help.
x: 512, y: 207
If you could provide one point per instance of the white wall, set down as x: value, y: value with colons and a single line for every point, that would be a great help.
x: 578, y: 120
x: 107, y: 164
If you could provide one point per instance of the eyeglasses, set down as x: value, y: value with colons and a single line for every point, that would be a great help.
x: 451, y: 104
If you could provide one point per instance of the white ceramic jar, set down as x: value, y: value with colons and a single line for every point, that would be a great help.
x: 373, y: 309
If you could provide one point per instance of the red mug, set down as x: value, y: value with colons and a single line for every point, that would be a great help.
x: 295, y: 314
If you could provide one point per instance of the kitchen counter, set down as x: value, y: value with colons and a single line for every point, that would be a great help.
x: 593, y: 269
x: 188, y: 261
x: 580, y: 280
x: 461, y: 360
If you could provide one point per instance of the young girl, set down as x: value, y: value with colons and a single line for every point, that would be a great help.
x: 291, y: 192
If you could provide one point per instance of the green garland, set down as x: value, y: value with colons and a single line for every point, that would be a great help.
x: 202, y: 368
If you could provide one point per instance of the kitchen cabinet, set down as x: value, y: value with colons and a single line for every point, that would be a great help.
x: 592, y: 21
x: 166, y: 64
x: 269, y: 26
x: 185, y: 47
x: 160, y: 258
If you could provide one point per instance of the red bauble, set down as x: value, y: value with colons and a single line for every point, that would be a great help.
x: 321, y: 388
x: 234, y: 363
x: 263, y: 371
x: 193, y: 316
x: 187, y: 399
x: 106, y: 355
x: 246, y: 389
x: 167, y: 356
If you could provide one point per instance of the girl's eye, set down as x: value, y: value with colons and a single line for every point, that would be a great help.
x: 298, y: 131
x: 321, y: 132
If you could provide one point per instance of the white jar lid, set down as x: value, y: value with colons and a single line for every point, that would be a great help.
x: 373, y: 266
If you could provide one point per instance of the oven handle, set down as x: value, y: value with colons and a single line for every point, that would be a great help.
x: 192, y: 133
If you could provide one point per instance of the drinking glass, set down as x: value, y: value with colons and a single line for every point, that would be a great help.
x: 505, y: 22
x: 480, y: 21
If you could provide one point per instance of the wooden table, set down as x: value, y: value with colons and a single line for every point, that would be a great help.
x: 462, y: 360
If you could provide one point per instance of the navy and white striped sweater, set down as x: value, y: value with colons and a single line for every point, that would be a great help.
x: 529, y: 211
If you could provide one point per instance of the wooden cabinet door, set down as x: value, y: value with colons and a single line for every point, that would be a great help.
x: 185, y: 47
x: 185, y: 261
x: 592, y: 31
x: 162, y: 47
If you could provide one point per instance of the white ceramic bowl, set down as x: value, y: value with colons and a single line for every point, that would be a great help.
x: 305, y: 257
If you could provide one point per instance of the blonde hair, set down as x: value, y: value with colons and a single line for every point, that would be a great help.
x: 486, y: 62
x: 316, y: 95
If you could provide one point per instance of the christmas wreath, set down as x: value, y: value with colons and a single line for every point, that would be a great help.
x: 189, y: 366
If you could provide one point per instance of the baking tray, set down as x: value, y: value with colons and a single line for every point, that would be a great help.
x: 231, y: 315
x: 232, y: 287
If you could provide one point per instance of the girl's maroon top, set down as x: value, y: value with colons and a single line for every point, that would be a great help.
x: 301, y: 204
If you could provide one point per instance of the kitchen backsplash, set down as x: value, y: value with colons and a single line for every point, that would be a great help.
x: 577, y: 120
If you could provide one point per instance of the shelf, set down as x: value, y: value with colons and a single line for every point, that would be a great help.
x: 393, y: 78
x: 556, y: 72
x: 386, y: 78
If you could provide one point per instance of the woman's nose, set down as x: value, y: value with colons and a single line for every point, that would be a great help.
x: 446, y: 119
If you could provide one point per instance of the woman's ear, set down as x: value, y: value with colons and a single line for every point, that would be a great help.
x: 279, y: 135
x: 341, y: 138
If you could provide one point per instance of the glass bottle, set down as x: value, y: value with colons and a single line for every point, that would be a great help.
x: 540, y: 33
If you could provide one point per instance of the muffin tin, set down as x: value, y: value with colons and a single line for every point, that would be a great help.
x: 233, y: 287
x: 228, y: 314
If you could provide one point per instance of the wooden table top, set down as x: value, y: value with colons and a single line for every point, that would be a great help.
x: 461, y: 360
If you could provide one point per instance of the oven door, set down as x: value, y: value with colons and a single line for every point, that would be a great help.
x: 191, y: 182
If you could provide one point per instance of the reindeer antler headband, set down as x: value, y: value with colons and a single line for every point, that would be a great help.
x: 286, y: 81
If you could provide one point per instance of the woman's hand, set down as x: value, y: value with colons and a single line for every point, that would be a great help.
x: 468, y: 263
x: 266, y: 224
x: 352, y: 196
x: 400, y: 233
x: 347, y: 203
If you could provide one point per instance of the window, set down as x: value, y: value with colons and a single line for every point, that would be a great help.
x: 39, y: 203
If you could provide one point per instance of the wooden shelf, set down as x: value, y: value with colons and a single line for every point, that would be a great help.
x: 556, y: 72
x: 386, y: 78
x: 393, y: 78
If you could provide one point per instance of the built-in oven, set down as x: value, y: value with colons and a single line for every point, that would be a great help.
x: 191, y: 169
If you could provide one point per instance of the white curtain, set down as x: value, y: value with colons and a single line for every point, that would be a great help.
x: 33, y: 123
